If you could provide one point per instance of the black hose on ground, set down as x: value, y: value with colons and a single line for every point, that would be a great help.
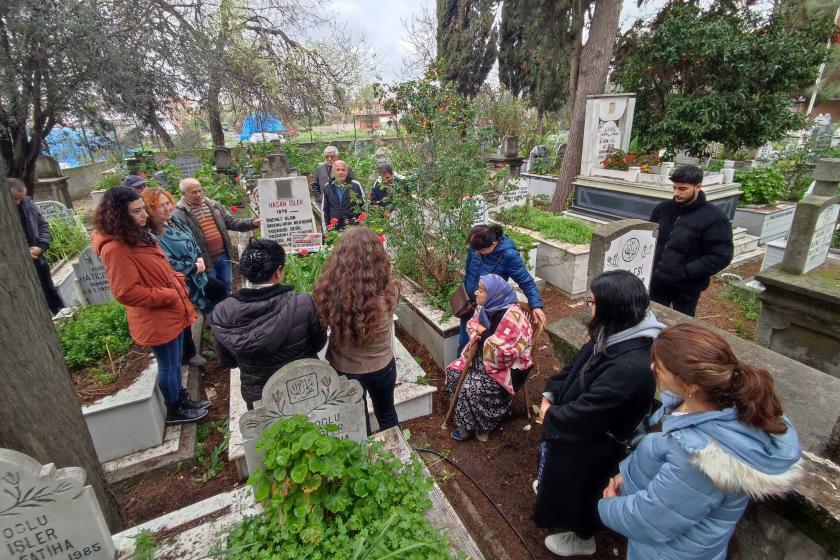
x: 489, y: 499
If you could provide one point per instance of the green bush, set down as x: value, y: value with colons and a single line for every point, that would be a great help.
x: 551, y: 226
x: 325, y: 497
x: 303, y: 270
x: 93, y: 332
x: 68, y: 240
x: 761, y: 185
x: 108, y: 181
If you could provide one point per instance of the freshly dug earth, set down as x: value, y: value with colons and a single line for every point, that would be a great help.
x: 165, y: 492
x: 128, y: 367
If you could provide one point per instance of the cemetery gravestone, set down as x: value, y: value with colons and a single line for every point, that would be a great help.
x: 223, y: 158
x: 52, y: 209
x: 285, y: 209
x: 311, y: 388
x: 822, y: 132
x: 92, y: 278
x: 49, y: 513
x: 277, y: 165
x: 609, y: 123
x: 623, y: 245
x: 188, y: 164
x: 811, y: 233
x: 480, y: 209
x: 538, y: 158
x: 161, y: 179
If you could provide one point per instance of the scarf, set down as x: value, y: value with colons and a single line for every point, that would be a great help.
x: 500, y: 295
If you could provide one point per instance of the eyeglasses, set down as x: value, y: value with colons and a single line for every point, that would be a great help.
x: 590, y: 301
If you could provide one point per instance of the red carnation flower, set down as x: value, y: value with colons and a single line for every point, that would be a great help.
x: 303, y: 252
x: 362, y: 217
x: 334, y: 221
x: 381, y: 239
x: 234, y: 208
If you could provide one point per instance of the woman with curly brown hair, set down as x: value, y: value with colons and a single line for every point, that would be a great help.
x: 155, y: 297
x: 355, y: 297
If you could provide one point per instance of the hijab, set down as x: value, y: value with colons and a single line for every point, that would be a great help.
x: 500, y: 295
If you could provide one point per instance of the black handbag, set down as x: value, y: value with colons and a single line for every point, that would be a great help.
x: 215, y: 290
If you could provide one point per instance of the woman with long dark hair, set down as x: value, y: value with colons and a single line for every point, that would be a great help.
x: 266, y: 326
x: 356, y: 296
x: 493, y: 252
x: 590, y: 408
x: 495, y: 362
x: 719, y: 439
x: 155, y: 297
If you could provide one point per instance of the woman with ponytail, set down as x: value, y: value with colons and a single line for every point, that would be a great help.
x: 718, y: 440
x: 264, y: 327
x: 493, y: 252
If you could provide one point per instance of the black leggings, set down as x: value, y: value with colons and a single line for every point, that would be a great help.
x: 380, y: 386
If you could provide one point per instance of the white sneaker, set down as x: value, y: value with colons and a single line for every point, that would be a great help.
x: 535, y: 485
x: 198, y: 360
x: 569, y: 544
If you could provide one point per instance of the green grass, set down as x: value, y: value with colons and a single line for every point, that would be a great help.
x: 68, y: 240
x: 551, y: 226
x: 96, y: 333
x: 212, y: 460
x: 746, y: 300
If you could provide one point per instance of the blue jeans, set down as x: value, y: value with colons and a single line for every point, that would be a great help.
x: 380, y: 386
x: 222, y: 271
x: 168, y: 358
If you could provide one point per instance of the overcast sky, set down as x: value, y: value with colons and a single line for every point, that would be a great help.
x: 381, y: 22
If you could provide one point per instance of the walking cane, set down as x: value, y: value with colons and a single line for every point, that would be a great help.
x: 454, y: 400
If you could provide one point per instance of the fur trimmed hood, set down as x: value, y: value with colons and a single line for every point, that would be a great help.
x: 735, y: 456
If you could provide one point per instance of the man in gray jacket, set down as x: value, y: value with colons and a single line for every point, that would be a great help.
x: 38, y: 237
x: 209, y: 222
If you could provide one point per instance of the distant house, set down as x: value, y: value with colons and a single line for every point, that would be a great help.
x: 373, y: 117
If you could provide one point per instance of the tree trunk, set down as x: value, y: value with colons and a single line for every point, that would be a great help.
x: 577, y: 46
x: 20, y: 153
x: 161, y: 133
x: 41, y: 415
x: 214, y: 114
x: 592, y: 78
x: 539, y: 123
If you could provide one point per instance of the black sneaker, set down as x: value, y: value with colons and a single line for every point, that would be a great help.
x: 180, y: 414
x: 189, y: 403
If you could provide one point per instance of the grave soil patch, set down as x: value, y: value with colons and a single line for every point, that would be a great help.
x: 164, y: 492
x: 129, y: 367
x: 505, y: 465
x: 724, y: 313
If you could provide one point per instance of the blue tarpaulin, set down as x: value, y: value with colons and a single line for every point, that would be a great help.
x: 67, y: 145
x: 260, y: 122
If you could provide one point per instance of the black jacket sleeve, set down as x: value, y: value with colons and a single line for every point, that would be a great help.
x: 225, y: 356
x: 717, y: 251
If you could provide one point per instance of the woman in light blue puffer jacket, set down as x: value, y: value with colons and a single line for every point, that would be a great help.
x: 719, y: 439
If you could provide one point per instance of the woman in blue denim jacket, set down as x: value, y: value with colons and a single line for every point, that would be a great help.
x: 718, y: 440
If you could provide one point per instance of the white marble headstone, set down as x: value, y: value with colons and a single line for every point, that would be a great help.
x: 48, y: 513
x: 311, y: 388
x: 632, y: 252
x: 285, y: 209
x: 823, y: 234
x: 92, y: 278
x: 608, y: 125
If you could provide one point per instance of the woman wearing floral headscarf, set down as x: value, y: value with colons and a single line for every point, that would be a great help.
x: 496, y: 359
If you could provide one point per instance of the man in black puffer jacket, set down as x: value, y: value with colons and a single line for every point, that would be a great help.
x: 262, y: 328
x: 694, y: 243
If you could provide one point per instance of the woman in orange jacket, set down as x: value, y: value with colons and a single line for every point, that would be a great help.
x: 156, y: 300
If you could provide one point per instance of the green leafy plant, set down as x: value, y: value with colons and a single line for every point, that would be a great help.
x: 212, y: 462
x: 145, y: 546
x: 68, y: 240
x: 524, y: 243
x: 746, y: 300
x: 303, y: 269
x: 761, y: 185
x: 551, y: 226
x: 109, y: 181
x: 93, y: 333
x: 333, y: 498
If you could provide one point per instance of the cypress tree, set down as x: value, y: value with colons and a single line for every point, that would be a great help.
x: 466, y: 42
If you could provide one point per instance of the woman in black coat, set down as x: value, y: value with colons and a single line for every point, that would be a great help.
x: 262, y: 328
x: 592, y: 406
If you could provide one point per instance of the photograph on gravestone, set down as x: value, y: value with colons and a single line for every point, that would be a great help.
x: 313, y: 389
x: 285, y: 209
x: 309, y: 242
x: 188, y: 164
x: 49, y: 513
x: 92, y: 278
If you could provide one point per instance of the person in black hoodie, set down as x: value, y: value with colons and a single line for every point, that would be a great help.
x: 262, y: 328
x: 590, y: 408
x: 694, y: 243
